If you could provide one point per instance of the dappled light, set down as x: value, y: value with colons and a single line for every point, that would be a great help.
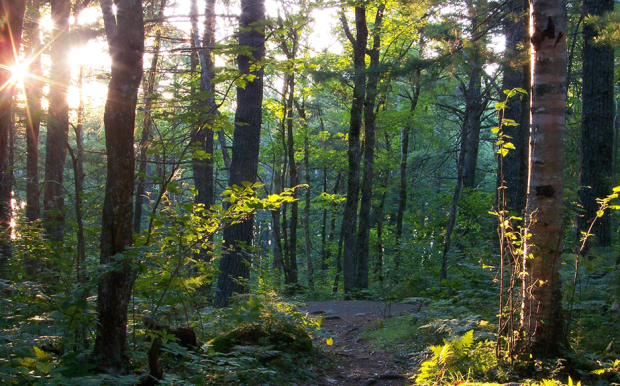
x: 301, y: 192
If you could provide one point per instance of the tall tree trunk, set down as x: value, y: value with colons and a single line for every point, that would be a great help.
x: 33, y: 88
x: 404, y: 144
x: 332, y: 225
x: 12, y: 13
x: 349, y: 220
x: 202, y: 166
x: 235, y: 263
x: 308, y: 246
x: 324, y: 249
x: 203, y: 139
x: 365, y: 222
x: 458, y: 189
x: 288, y: 101
x: 278, y: 258
x: 542, y: 323
x: 57, y: 121
x: 516, y: 74
x: 78, y: 172
x: 146, y: 126
x: 125, y: 35
x: 471, y: 127
x: 286, y: 250
x: 293, y: 181
x: 597, y: 124
x: 378, y: 269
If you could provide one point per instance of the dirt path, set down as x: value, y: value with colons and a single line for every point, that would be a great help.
x: 356, y: 361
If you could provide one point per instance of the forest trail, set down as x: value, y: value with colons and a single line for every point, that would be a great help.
x: 357, y: 362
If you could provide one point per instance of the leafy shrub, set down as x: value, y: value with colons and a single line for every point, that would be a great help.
x: 457, y: 359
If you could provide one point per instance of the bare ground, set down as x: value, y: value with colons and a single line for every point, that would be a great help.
x: 353, y: 360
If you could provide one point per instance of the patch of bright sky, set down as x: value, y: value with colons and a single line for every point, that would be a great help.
x: 321, y: 38
x: 95, y: 56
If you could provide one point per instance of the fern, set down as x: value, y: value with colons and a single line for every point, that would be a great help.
x: 455, y: 358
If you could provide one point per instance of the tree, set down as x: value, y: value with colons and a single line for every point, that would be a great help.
x: 57, y: 121
x: 290, y: 256
x: 125, y: 34
x: 349, y: 218
x: 475, y: 104
x: 363, y: 236
x: 235, y: 262
x: 516, y: 74
x: 597, y: 124
x: 33, y: 88
x: 147, y: 123
x: 542, y: 326
x: 12, y: 14
x: 202, y: 166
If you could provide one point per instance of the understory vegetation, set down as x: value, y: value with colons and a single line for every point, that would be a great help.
x: 176, y: 184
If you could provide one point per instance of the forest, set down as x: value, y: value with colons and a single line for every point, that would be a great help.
x: 184, y: 182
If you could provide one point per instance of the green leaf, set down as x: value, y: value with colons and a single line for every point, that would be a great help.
x: 82, y: 304
x: 40, y: 354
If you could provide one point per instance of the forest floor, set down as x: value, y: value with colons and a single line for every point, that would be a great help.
x: 355, y: 360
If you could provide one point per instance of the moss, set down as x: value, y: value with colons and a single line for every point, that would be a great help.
x: 283, y: 336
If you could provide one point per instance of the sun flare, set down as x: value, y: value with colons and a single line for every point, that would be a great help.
x: 19, y: 71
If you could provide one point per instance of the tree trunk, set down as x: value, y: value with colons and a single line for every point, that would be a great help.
x: 458, y: 189
x: 278, y: 259
x: 235, y: 263
x: 324, y: 250
x: 309, y: 263
x: 363, y: 236
x: 293, y: 181
x: 332, y: 226
x: 516, y: 74
x: 542, y: 323
x: 12, y: 13
x: 78, y: 172
x: 146, y: 127
x: 203, y: 167
x: 57, y: 121
x: 597, y: 124
x: 34, y: 93
x: 404, y: 147
x: 471, y: 127
x: 378, y: 269
x: 349, y: 220
x: 125, y: 35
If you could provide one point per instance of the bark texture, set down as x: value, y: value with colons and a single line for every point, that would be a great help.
x: 517, y: 74
x: 203, y: 140
x: 365, y: 221
x: 57, y: 121
x: 235, y: 262
x: 349, y: 219
x: 597, y: 124
x: 291, y: 264
x: 125, y: 34
x: 542, y: 323
x: 12, y: 13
